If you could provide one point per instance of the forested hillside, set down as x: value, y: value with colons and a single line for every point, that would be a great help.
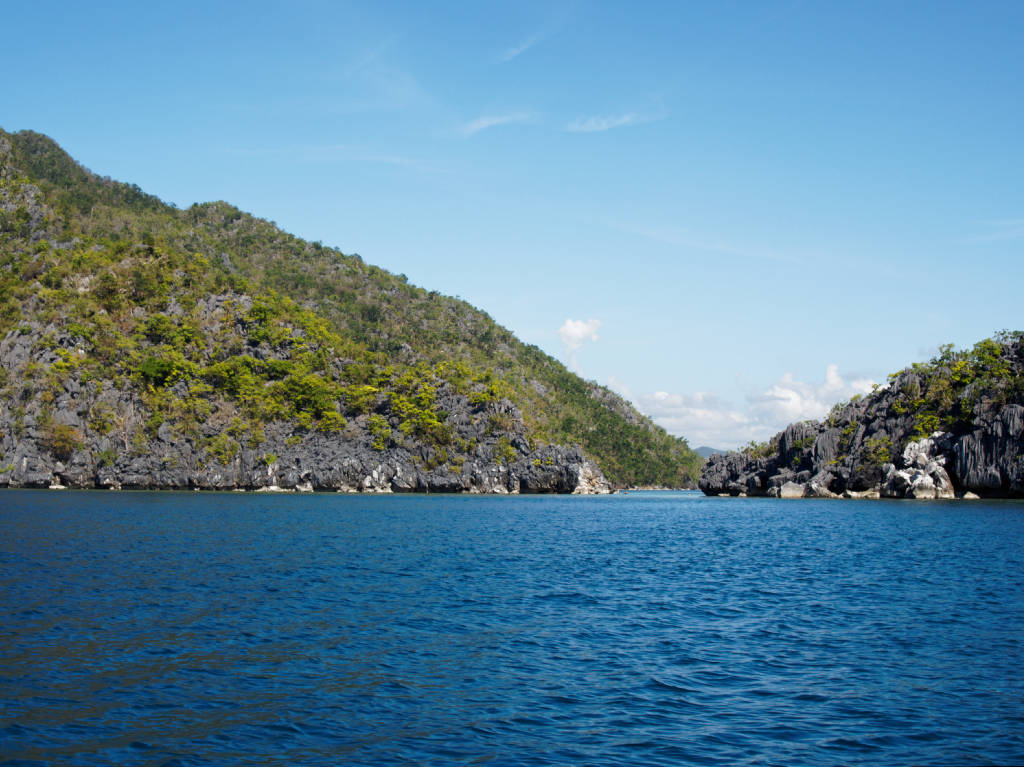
x: 205, y: 337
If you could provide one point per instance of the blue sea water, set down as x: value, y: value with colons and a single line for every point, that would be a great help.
x: 647, y: 628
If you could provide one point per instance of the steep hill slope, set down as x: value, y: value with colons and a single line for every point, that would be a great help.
x: 952, y: 426
x: 147, y: 345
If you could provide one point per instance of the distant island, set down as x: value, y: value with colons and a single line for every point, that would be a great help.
x: 706, y: 452
x: 145, y: 346
x: 952, y: 427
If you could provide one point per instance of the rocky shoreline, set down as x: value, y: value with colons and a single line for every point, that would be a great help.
x: 286, y: 460
x: 873, y: 447
x: 88, y: 433
x: 568, y: 472
x: 920, y: 473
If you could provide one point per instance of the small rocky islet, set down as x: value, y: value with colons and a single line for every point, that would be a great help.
x: 949, y: 428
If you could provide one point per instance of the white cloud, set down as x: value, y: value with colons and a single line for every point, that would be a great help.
x: 704, y: 419
x: 549, y: 28
x: 789, y: 400
x: 516, y: 50
x: 491, y: 121
x: 575, y: 333
x: 598, y: 123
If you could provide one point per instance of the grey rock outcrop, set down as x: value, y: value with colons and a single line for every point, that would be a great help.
x: 922, y: 473
x: 552, y: 469
x: 989, y: 459
x: 872, y: 446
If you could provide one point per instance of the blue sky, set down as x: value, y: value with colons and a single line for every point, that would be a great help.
x: 736, y: 213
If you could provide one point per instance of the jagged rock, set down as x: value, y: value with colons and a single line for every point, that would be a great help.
x: 870, y: 446
x: 591, y: 481
x: 922, y: 474
x: 921, y: 485
x: 896, y: 483
x: 555, y: 469
x: 31, y: 470
x: 990, y: 458
x: 792, y: 490
x: 819, y: 486
x: 874, y: 493
x: 729, y: 473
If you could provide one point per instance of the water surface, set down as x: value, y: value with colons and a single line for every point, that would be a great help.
x: 650, y: 628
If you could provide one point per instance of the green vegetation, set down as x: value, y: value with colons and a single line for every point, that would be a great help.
x: 215, y: 316
x: 878, y: 450
x: 63, y: 440
x: 381, y: 431
x: 802, y: 444
x: 943, y: 393
x: 755, y: 450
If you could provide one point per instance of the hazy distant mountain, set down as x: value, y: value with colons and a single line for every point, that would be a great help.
x: 707, y: 452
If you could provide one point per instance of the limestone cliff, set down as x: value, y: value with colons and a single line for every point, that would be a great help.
x: 80, y: 431
x: 946, y: 428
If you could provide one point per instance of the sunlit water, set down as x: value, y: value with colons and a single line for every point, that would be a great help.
x: 654, y: 628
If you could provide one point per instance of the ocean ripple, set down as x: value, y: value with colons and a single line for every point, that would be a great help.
x: 652, y: 628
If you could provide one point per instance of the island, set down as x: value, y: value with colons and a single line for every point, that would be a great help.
x: 147, y: 346
x: 952, y: 427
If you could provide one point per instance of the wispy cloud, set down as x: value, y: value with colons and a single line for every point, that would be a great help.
x: 538, y: 36
x: 375, y: 80
x: 679, y: 238
x: 597, y: 123
x: 383, y: 89
x: 492, y: 121
x: 370, y: 58
x: 1000, y: 230
x: 517, y: 50
x: 704, y: 419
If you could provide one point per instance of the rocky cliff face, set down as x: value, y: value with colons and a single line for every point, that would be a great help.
x: 75, y: 430
x: 947, y: 428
